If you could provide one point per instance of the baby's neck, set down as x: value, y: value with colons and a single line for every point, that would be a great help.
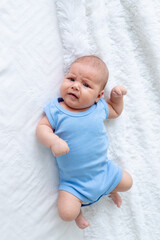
x: 65, y: 106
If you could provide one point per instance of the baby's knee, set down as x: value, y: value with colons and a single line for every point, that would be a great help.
x: 68, y: 206
x: 129, y: 181
x: 125, y: 183
x: 66, y: 214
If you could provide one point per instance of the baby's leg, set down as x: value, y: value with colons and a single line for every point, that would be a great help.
x: 69, y: 208
x: 124, y: 185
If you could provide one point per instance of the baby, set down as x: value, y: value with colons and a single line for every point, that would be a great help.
x: 73, y: 128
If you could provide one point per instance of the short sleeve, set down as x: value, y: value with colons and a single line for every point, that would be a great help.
x: 50, y: 111
x: 105, y: 107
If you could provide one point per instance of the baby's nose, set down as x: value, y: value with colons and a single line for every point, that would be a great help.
x: 76, y: 86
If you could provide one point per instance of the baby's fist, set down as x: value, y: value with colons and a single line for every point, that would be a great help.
x: 60, y: 147
x: 119, y: 91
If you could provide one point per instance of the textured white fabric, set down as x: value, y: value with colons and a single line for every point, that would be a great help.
x: 126, y: 35
x: 31, y: 69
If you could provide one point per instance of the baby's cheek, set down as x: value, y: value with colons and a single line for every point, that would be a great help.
x: 62, y: 90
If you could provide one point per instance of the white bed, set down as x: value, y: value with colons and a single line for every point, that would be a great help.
x: 38, y: 41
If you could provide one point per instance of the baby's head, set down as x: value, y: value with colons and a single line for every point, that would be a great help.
x: 84, y: 84
x: 96, y: 65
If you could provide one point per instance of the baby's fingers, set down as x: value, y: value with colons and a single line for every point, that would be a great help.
x: 123, y: 90
x: 119, y: 91
x: 63, y: 151
x: 67, y: 150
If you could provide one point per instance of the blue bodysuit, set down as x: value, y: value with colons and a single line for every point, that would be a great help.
x: 85, y: 171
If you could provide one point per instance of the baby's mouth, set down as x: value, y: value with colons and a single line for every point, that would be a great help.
x: 73, y: 95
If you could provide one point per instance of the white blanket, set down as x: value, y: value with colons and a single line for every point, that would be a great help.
x: 31, y: 69
x: 34, y: 48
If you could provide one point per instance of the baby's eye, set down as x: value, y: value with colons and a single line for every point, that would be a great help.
x: 71, y: 79
x: 86, y: 85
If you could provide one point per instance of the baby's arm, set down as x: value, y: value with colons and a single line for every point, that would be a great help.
x: 115, y: 103
x: 47, y: 137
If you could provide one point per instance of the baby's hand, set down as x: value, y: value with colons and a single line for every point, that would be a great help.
x: 60, y: 147
x: 118, y: 91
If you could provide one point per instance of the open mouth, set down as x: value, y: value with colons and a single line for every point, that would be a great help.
x: 73, y: 95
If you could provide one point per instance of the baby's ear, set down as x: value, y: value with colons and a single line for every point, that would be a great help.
x: 100, y: 95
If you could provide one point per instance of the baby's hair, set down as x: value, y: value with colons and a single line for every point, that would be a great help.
x: 95, y: 62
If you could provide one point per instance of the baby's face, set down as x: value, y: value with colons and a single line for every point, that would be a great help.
x: 81, y: 87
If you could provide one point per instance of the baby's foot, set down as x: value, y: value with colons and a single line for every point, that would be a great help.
x: 116, y: 199
x: 81, y: 221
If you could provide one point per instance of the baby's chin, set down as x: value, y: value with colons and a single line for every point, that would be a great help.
x: 77, y: 108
